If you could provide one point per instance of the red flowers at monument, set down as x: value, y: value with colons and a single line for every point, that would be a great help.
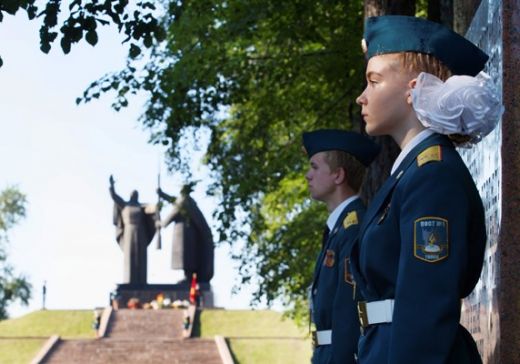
x: 133, y: 303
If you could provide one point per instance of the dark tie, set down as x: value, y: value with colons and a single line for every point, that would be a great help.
x: 325, y: 237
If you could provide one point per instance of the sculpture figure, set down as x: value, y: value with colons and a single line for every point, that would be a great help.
x: 135, y: 228
x: 192, y: 249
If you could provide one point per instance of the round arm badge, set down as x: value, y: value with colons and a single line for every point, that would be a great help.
x: 431, y: 239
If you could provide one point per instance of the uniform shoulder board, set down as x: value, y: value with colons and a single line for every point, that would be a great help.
x: 350, y: 219
x: 430, y: 154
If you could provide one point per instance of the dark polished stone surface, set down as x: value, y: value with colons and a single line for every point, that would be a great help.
x: 509, y: 285
x: 491, y: 312
x: 480, y: 311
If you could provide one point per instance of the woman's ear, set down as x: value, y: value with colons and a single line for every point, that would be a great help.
x: 411, y: 86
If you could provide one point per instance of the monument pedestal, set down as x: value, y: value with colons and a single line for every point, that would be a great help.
x: 148, y: 293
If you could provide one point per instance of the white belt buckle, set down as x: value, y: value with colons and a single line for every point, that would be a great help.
x: 376, y: 312
x: 323, y: 337
x: 379, y: 312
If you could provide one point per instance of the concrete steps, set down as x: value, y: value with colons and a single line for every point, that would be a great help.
x: 116, y: 351
x: 138, y: 336
x: 145, y: 324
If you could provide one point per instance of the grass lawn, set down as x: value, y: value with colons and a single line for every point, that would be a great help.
x: 65, y: 323
x: 272, y: 351
x: 257, y: 337
x: 19, y: 351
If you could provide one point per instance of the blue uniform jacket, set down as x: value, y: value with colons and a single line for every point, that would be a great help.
x: 422, y: 243
x: 333, y: 305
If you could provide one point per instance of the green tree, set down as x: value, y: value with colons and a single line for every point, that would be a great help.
x: 12, y: 287
x: 256, y: 74
x: 80, y: 20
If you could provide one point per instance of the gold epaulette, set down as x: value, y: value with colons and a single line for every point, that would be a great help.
x: 430, y: 154
x: 350, y: 219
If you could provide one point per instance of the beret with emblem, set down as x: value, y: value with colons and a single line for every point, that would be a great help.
x: 355, y: 144
x: 397, y: 33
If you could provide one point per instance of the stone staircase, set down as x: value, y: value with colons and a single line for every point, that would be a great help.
x: 138, y: 336
x: 143, y: 324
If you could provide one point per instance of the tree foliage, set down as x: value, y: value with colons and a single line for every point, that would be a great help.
x: 12, y: 287
x: 80, y: 20
x: 256, y: 74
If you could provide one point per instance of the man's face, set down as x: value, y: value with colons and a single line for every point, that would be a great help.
x: 385, y: 101
x: 320, y: 178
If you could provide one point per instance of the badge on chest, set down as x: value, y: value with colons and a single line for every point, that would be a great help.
x: 349, y: 278
x: 431, y: 239
x: 330, y: 258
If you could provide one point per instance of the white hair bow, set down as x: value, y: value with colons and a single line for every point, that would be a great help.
x: 462, y: 105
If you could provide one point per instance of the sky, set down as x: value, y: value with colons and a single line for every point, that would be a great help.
x: 61, y: 156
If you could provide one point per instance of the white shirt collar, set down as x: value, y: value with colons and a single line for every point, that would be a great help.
x: 334, y: 216
x: 408, y: 147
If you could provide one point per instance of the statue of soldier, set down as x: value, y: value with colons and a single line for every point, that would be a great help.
x: 135, y: 228
x: 192, y: 248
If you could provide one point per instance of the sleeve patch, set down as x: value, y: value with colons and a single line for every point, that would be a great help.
x: 350, y: 219
x: 431, y: 154
x: 330, y: 258
x: 430, y: 243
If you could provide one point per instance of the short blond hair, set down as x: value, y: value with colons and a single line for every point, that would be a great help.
x: 354, y: 169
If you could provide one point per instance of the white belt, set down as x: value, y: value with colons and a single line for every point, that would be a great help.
x: 376, y: 312
x: 323, y: 337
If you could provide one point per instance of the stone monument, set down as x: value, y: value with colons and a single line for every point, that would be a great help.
x: 193, y: 250
x: 192, y: 247
x: 135, y: 228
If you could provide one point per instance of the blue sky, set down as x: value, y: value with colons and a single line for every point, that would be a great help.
x: 61, y: 156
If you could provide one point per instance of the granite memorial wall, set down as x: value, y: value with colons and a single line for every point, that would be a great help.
x: 489, y: 308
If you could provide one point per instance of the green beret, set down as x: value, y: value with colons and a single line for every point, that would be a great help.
x: 396, y: 33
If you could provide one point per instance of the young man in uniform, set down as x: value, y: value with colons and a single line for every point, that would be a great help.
x: 338, y: 160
